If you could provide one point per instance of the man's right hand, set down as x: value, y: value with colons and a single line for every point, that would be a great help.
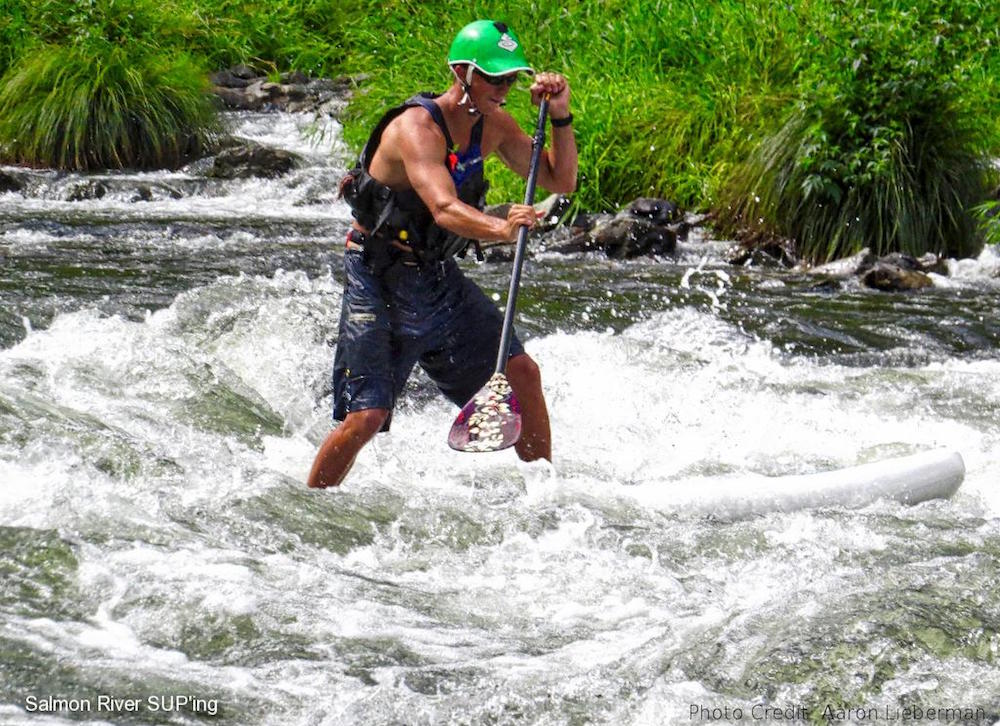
x: 520, y: 215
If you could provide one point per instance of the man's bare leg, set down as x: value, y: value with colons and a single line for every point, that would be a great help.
x: 526, y: 381
x: 341, y: 446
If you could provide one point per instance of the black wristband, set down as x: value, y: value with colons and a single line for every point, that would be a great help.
x: 558, y: 123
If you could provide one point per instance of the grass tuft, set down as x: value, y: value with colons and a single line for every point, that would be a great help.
x: 101, y: 106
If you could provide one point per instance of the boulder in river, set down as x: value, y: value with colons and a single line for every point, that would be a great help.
x: 895, y: 278
x: 86, y: 190
x: 252, y: 160
x: 243, y: 88
x: 898, y: 272
x: 763, y: 250
x: 9, y: 183
x: 845, y: 267
x: 893, y: 272
x: 647, y: 226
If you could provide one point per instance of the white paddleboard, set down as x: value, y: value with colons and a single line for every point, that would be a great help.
x: 907, y: 479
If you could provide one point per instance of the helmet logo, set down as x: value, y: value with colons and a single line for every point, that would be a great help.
x: 507, y: 43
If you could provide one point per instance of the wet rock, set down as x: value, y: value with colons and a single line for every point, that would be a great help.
x: 497, y: 210
x: 645, y: 227
x: 553, y: 208
x: 86, y: 191
x: 928, y: 262
x: 827, y: 285
x: 168, y: 190
x: 575, y: 244
x: 889, y: 277
x: 774, y: 247
x: 243, y: 88
x: 764, y: 251
x: 625, y: 237
x: 252, y: 160
x: 229, y: 79
x: 503, y: 252
x: 9, y: 183
x: 586, y: 221
x: 846, y: 267
x: 931, y: 262
x: 244, y: 72
x: 901, y: 260
x: 891, y: 273
x: 772, y: 256
x: 143, y: 193
x: 657, y: 211
x: 295, y: 78
x: 242, y: 99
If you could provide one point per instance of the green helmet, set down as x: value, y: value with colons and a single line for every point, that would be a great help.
x: 490, y: 47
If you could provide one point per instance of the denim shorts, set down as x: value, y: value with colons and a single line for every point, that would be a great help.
x: 432, y: 315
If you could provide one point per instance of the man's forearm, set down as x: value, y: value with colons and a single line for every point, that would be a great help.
x: 467, y: 221
x: 562, y: 160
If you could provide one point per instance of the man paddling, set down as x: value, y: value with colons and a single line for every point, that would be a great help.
x: 417, y: 196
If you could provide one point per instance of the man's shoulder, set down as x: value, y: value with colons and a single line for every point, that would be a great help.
x: 417, y: 124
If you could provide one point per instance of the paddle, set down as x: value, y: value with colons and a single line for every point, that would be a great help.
x: 491, y: 420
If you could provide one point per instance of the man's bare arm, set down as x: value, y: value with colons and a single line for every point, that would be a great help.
x: 421, y: 149
x: 558, y: 163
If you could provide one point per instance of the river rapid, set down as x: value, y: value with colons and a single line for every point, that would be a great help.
x: 165, y: 353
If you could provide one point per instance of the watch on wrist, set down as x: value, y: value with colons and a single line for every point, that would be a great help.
x: 560, y: 122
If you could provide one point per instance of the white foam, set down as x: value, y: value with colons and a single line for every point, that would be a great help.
x: 985, y: 267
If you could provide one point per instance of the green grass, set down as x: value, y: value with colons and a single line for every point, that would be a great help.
x: 988, y: 215
x: 96, y: 106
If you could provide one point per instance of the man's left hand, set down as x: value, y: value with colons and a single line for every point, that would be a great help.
x: 556, y: 85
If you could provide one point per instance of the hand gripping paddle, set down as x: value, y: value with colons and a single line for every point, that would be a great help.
x: 491, y: 421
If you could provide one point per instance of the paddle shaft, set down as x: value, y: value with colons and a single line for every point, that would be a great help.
x: 507, y: 333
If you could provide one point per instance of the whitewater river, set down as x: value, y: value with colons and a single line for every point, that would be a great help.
x: 165, y: 352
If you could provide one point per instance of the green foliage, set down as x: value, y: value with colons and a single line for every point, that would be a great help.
x: 887, y: 147
x: 12, y: 34
x: 855, y: 123
x: 149, y: 22
x: 98, y: 106
x: 665, y: 92
x: 988, y: 215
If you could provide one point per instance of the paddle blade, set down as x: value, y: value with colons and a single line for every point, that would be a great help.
x: 491, y: 421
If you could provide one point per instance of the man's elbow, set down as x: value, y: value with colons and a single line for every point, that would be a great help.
x: 441, y: 212
x: 567, y: 186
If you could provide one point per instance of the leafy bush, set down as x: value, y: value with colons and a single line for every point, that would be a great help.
x: 887, y: 147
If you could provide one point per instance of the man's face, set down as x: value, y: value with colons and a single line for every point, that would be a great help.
x: 490, y: 92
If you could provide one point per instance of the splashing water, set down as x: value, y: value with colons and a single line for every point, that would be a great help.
x: 162, y: 403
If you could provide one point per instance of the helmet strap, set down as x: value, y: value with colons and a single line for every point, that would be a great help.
x: 466, y: 87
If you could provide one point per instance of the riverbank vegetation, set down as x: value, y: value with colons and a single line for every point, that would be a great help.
x: 839, y: 124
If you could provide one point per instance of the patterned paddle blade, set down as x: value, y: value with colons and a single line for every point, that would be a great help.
x: 491, y: 421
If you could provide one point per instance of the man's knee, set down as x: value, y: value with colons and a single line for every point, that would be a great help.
x: 523, y: 371
x: 366, y: 423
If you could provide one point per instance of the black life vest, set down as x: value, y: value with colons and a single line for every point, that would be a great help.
x: 401, y: 215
